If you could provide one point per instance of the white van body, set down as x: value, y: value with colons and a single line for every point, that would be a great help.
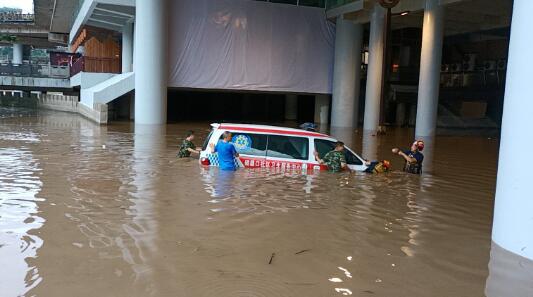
x: 261, y: 146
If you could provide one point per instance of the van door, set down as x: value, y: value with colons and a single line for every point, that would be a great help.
x: 287, y: 152
x: 251, y: 148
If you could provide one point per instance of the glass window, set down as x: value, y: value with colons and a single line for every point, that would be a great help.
x: 323, y: 146
x: 351, y: 159
x: 249, y: 144
x: 288, y: 147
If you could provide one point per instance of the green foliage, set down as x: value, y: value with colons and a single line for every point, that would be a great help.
x: 7, y: 38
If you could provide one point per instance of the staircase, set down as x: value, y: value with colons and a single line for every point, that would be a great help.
x: 109, y: 89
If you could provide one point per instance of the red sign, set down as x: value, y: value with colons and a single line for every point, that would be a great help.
x: 278, y: 164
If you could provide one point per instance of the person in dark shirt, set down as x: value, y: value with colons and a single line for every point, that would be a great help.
x: 187, y: 147
x: 413, y: 157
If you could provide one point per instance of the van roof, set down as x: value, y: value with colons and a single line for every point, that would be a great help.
x: 268, y: 129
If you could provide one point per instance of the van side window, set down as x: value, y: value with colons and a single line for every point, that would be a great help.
x: 249, y: 143
x: 288, y: 147
x: 323, y: 146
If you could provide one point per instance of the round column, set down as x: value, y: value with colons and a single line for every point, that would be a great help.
x: 150, y: 62
x: 375, y: 69
x: 513, y: 210
x: 346, y: 73
x: 127, y: 48
x: 17, y: 53
x: 430, y: 65
x: 291, y: 107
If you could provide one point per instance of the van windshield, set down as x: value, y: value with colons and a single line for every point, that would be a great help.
x: 323, y: 146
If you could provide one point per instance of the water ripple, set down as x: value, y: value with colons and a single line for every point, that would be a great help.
x: 19, y: 219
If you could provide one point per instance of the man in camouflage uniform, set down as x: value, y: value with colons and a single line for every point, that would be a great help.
x: 188, y: 147
x: 335, y: 160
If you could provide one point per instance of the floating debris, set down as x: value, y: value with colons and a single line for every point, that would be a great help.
x: 271, y: 258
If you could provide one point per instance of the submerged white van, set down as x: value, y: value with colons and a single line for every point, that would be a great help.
x: 261, y: 146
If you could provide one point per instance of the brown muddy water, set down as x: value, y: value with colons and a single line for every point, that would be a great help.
x: 103, y: 211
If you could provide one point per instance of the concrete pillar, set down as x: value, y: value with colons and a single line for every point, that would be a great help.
x: 127, y: 48
x: 346, y: 73
x: 513, y: 210
x: 322, y: 109
x: 150, y: 62
x: 430, y: 65
x: 17, y: 53
x: 375, y: 69
x: 344, y: 134
x: 291, y: 107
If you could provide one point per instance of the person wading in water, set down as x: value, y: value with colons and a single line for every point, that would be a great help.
x: 335, y: 159
x: 187, y: 147
x: 227, y: 153
x: 413, y: 157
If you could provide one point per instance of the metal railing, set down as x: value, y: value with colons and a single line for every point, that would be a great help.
x: 98, y: 65
x: 34, y: 70
x: 10, y: 17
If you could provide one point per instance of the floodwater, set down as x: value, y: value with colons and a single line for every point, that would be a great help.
x: 109, y: 211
